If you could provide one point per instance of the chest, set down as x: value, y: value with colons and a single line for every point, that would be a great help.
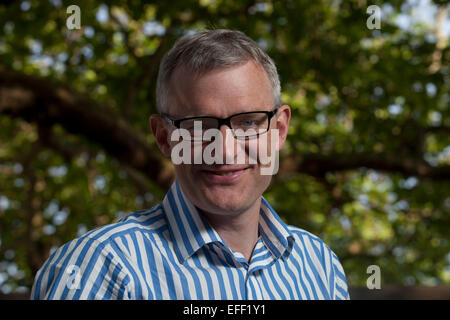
x: 217, y: 275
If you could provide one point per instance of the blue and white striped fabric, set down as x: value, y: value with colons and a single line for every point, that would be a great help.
x: 171, y: 252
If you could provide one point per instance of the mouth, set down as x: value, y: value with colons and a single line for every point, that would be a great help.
x: 224, y: 175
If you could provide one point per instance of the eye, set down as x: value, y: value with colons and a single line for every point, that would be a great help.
x: 248, y: 122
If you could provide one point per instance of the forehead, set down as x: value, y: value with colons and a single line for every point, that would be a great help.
x: 220, y: 92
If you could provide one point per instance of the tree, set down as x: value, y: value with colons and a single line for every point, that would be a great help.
x: 367, y: 163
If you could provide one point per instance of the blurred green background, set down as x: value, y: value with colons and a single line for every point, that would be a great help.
x: 366, y: 166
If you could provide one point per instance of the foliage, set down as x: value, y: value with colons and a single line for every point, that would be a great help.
x: 355, y: 93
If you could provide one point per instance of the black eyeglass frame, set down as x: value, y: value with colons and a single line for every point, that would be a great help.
x: 226, y: 121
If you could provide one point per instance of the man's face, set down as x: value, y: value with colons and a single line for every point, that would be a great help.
x: 224, y: 189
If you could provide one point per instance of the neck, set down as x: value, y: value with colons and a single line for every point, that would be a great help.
x: 239, y: 232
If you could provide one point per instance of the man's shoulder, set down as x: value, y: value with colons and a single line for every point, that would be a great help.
x: 321, y: 261
x: 148, y: 221
x: 103, y: 249
x: 310, y: 242
x: 139, y: 222
x: 303, y: 234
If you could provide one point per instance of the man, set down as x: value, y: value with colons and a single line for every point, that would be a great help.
x: 214, y: 236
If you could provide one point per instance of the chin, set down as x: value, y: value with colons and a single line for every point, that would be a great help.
x: 224, y: 202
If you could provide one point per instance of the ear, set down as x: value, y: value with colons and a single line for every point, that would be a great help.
x: 161, y: 133
x: 283, y: 117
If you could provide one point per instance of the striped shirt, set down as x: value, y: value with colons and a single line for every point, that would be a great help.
x: 171, y: 252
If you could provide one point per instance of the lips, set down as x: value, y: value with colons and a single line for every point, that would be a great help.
x: 224, y: 175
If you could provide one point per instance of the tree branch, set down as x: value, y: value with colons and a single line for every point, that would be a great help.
x: 69, y: 152
x: 318, y: 164
x: 39, y: 100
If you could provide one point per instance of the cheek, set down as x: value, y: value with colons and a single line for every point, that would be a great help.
x: 264, y: 148
x: 184, y: 173
x: 260, y: 185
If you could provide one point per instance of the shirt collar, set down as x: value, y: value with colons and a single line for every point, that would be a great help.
x: 191, y: 231
x: 274, y: 232
x: 188, y: 228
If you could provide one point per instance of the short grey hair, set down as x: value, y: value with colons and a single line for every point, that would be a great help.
x: 210, y: 50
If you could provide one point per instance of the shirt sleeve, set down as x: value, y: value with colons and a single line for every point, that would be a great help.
x: 83, y: 269
x: 340, y: 287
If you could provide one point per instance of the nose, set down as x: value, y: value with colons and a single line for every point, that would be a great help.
x: 228, y: 145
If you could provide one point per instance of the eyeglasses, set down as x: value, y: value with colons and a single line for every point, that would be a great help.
x: 243, y: 125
